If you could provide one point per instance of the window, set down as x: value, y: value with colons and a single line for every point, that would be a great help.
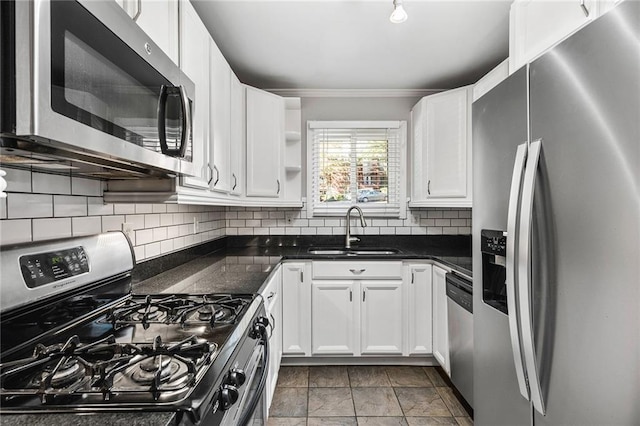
x: 356, y: 163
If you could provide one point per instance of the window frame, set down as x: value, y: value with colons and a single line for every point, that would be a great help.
x: 340, y: 209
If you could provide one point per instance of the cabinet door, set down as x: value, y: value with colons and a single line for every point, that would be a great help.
x: 381, y: 324
x: 220, y: 120
x: 159, y: 19
x: 296, y: 309
x: 440, y: 322
x: 334, y: 313
x: 419, y: 288
x: 265, y: 138
x: 194, y: 61
x: 447, y: 128
x: 238, y: 129
x: 273, y: 305
x: 536, y: 25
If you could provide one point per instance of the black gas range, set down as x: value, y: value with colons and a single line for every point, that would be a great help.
x: 74, y: 339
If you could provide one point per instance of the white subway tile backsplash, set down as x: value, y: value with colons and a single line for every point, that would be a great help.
x: 292, y: 231
x: 69, y: 205
x: 159, y: 234
x: 15, y: 231
x: 276, y: 215
x: 88, y: 225
x: 139, y: 253
x: 89, y: 187
x: 451, y: 214
x: 402, y: 231
x: 253, y: 223
x: 124, y: 209
x: 135, y: 220
x: 18, y: 180
x: 172, y: 208
x: 450, y: 230
x: 25, y: 205
x: 434, y: 231
x: 151, y: 220
x: 143, y: 208
x: 236, y: 223
x: 51, y: 184
x: 458, y: 222
x: 465, y: 213
x: 47, y: 229
x: 97, y: 207
x: 144, y: 236
x: 323, y: 231
x: 435, y: 214
x: 260, y: 231
x: 443, y: 222
x: 159, y: 208
x: 112, y: 223
x: 166, y: 246
x: 272, y: 231
x: 166, y: 219
x: 152, y: 250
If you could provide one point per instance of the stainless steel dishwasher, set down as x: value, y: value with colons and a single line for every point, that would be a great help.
x: 460, y: 323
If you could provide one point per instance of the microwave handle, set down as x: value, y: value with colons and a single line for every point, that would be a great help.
x: 165, y: 91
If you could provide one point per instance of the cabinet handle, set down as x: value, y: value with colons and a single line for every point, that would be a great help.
x: 412, y: 277
x: 278, y: 181
x: 357, y: 271
x: 364, y: 294
x: 270, y: 296
x: 138, y: 12
x: 217, y: 175
x: 350, y: 296
x: 301, y: 276
x: 235, y: 181
x: 210, y: 174
x: 429, y: 187
x: 584, y: 8
x: 273, y: 324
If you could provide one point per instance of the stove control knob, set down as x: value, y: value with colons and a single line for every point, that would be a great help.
x: 237, y: 377
x: 228, y: 396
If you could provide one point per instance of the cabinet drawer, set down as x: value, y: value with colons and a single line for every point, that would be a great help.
x: 357, y: 270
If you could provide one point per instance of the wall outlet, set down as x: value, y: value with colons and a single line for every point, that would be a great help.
x: 289, y: 217
x: 195, y: 225
x: 127, y: 228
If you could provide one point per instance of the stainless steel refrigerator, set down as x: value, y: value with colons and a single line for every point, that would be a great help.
x: 556, y: 234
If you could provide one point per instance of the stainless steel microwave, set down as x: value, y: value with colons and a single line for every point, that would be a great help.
x: 81, y: 81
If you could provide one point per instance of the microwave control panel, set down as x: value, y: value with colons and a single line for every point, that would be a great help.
x: 45, y: 268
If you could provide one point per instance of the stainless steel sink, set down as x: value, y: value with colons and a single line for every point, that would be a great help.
x: 360, y: 251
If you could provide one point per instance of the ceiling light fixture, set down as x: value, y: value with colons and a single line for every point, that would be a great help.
x: 399, y: 15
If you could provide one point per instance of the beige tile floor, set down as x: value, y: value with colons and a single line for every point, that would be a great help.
x: 364, y: 395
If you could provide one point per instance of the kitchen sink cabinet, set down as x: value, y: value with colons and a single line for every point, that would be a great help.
x: 265, y: 142
x: 440, y: 320
x: 272, y: 295
x: 420, y: 308
x: 220, y: 148
x: 296, y: 309
x: 159, y: 19
x: 381, y: 325
x: 441, y: 127
x: 334, y: 314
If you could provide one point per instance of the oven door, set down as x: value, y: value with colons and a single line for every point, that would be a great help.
x: 95, y: 83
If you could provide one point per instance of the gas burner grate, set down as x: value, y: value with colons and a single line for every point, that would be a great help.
x: 104, y: 369
x: 178, y: 309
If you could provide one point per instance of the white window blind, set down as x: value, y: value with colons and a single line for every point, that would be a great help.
x: 357, y: 163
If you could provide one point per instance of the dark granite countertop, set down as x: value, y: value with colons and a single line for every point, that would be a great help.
x: 89, y: 419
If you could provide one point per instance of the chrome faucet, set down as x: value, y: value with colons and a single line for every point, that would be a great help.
x: 348, y: 238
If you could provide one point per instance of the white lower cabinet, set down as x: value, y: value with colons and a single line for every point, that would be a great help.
x: 420, y: 309
x: 272, y: 295
x: 333, y: 318
x: 296, y: 309
x: 440, y: 321
x: 381, y: 316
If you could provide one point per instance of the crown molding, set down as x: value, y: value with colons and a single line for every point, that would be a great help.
x: 354, y: 93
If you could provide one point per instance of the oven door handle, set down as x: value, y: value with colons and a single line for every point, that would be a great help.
x: 250, y: 408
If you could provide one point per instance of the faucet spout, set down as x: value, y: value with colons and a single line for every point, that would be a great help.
x: 348, y: 238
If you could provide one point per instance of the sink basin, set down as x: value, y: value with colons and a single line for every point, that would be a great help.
x: 359, y: 251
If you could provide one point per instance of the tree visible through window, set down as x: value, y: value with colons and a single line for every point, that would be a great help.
x: 356, y: 166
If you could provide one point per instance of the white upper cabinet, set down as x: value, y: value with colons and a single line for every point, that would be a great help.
x: 441, y: 126
x: 238, y: 138
x: 220, y: 159
x: 265, y: 139
x: 159, y: 19
x: 537, y: 25
x: 194, y: 61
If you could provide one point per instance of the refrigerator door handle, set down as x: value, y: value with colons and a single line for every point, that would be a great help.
x: 512, y: 307
x: 524, y: 274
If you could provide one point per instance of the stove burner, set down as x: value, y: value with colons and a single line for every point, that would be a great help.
x: 147, y: 313
x: 68, y: 373
x: 207, y: 312
x: 157, y: 367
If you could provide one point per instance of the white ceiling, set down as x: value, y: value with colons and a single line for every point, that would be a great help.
x: 339, y: 44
